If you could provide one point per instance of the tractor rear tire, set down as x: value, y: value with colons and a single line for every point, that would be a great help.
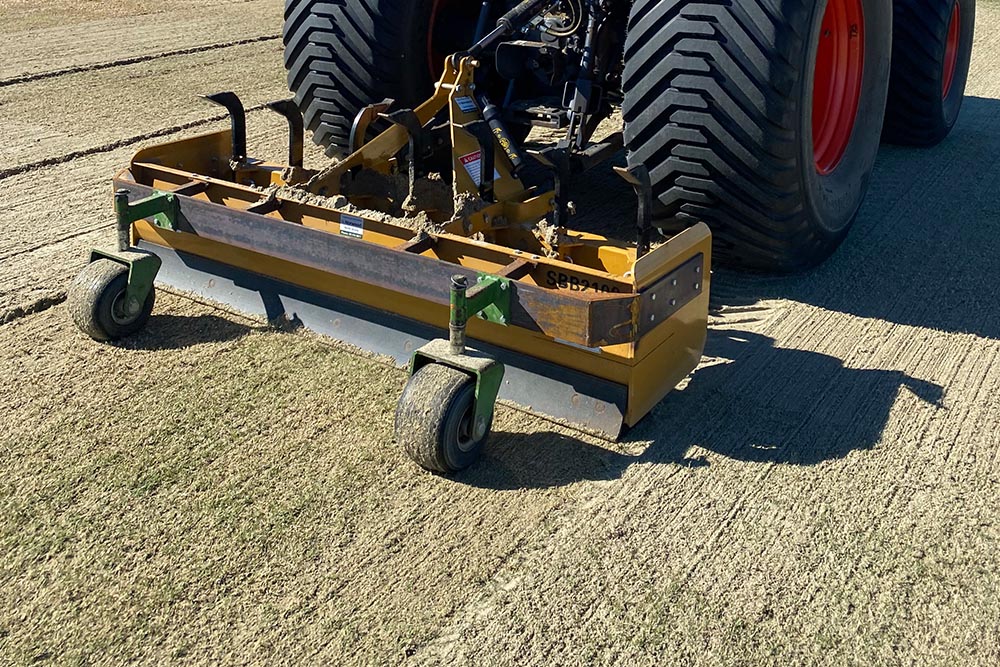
x: 719, y: 102
x: 931, y: 52
x: 343, y: 55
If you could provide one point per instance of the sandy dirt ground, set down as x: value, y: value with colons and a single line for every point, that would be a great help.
x: 88, y: 39
x: 822, y: 491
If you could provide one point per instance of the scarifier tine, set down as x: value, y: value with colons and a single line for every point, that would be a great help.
x: 237, y: 120
x: 296, y: 130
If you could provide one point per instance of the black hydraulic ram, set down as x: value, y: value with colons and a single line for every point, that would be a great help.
x: 510, y: 23
x: 493, y: 117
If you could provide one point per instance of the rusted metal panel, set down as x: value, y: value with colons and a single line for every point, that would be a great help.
x: 583, y: 318
x: 671, y: 293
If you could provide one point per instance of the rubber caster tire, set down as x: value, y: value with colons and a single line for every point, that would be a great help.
x: 434, y: 420
x: 96, y: 299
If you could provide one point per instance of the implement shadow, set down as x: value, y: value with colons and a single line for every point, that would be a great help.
x: 758, y: 403
x: 173, y: 332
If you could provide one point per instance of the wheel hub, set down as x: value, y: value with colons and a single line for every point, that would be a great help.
x: 121, y: 313
x: 840, y: 61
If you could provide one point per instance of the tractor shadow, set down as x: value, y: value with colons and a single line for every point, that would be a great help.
x: 924, y: 252
x: 753, y: 402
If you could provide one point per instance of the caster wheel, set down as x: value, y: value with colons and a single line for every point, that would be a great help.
x: 434, y: 420
x: 97, y: 302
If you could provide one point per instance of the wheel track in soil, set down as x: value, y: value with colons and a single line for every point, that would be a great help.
x: 45, y: 243
x: 49, y: 234
x: 123, y: 62
x: 89, y: 112
x: 122, y: 143
x: 71, y: 43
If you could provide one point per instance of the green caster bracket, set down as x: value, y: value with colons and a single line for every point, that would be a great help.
x: 113, y: 296
x: 446, y: 411
x: 164, y: 210
x: 142, y: 270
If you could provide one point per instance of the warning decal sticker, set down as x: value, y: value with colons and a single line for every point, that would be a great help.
x: 466, y: 104
x: 473, y: 163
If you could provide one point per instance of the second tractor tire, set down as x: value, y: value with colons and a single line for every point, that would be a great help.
x: 344, y: 55
x: 719, y: 102
x: 931, y: 53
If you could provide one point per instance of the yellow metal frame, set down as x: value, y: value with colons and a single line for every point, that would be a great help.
x: 649, y: 367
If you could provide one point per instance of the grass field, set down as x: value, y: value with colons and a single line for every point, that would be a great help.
x: 823, y: 491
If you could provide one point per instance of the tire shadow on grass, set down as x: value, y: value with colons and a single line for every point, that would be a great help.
x: 177, y: 332
x: 759, y: 404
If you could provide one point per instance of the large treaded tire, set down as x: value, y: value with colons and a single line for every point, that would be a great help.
x: 918, y: 112
x: 718, y: 106
x: 343, y: 55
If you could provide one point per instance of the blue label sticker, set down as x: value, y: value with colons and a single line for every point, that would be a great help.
x: 353, y: 226
x: 466, y: 104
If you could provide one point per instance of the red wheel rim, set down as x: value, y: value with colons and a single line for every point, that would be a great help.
x: 840, y: 66
x: 451, y: 25
x: 951, y: 50
x: 435, y: 60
